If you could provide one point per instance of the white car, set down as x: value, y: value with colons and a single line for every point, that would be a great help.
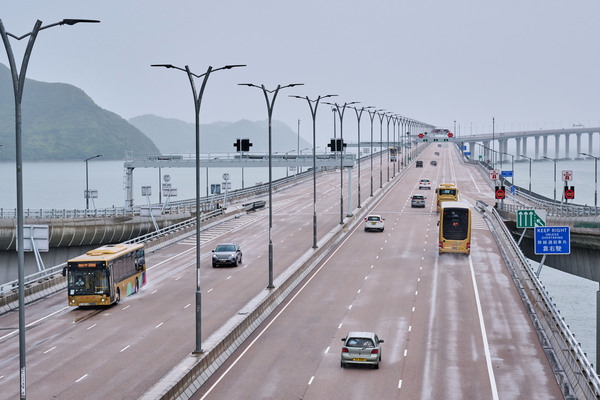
x: 425, y: 184
x: 374, y: 222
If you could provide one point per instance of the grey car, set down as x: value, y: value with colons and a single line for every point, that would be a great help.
x: 361, y: 348
x: 227, y: 254
x: 418, y: 200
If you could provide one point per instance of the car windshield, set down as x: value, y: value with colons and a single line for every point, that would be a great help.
x: 225, y: 248
x: 88, y: 282
x: 417, y: 197
x: 373, y: 218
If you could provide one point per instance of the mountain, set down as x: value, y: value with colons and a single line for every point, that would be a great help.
x: 61, y: 122
x: 173, y: 136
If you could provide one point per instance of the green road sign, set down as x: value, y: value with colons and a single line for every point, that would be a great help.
x: 531, y: 218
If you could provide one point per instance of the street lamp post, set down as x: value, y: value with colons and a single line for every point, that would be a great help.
x: 389, y: 117
x: 270, y: 105
x: 358, y: 116
x: 340, y: 111
x: 529, y: 158
x: 87, y: 190
x: 381, y: 117
x: 313, y: 113
x: 552, y: 159
x: 595, y: 177
x: 197, y: 104
x: 18, y: 80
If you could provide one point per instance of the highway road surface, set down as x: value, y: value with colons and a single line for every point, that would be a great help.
x: 454, y: 326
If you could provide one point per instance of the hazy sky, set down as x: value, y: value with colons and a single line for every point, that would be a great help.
x: 528, y: 63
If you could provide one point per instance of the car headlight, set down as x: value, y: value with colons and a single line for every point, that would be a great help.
x: 232, y: 257
x: 214, y: 257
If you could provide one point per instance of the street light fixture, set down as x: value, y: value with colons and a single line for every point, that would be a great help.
x: 197, y: 103
x: 270, y: 105
x: 595, y: 177
x: 358, y: 116
x: 530, y: 159
x: 340, y: 113
x: 18, y: 80
x: 313, y: 113
x: 552, y: 159
x: 87, y: 190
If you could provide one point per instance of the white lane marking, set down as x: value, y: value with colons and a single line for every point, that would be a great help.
x: 187, y: 306
x: 210, y: 290
x: 410, y: 328
x: 413, y: 309
x: 366, y: 277
x: 416, y: 292
x: 158, y: 326
x: 33, y: 323
x: 126, y: 307
x: 327, y: 349
x: 405, y: 352
x: 486, y: 347
x: 80, y: 379
x: 49, y: 350
x: 178, y: 278
x: 340, y: 326
x: 229, y: 277
x: 90, y: 327
x: 311, y: 379
x: 400, y: 384
x: 125, y: 348
x: 156, y: 290
x: 350, y: 307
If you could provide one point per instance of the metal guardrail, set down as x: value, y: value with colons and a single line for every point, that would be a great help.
x: 577, y: 378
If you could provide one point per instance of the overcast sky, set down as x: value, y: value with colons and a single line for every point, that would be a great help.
x: 529, y: 64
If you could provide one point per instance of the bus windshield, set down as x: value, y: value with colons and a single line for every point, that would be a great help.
x: 87, y: 282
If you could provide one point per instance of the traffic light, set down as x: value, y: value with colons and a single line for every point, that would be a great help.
x: 246, y: 144
x: 500, y: 192
x: 435, y: 140
x: 336, y: 145
x: 569, y: 192
x: 238, y: 144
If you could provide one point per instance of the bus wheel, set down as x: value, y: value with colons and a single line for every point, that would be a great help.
x: 118, y: 296
x: 137, y: 285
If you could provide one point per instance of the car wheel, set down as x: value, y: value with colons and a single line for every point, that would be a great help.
x: 366, y: 229
x: 382, y: 229
x: 214, y: 265
x: 342, y: 364
x: 118, y: 296
x: 376, y: 366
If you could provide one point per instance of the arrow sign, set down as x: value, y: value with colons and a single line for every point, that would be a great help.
x: 531, y: 218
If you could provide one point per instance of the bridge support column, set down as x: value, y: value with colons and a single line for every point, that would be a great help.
x: 578, y: 141
x: 545, y: 146
x: 524, y: 146
x: 567, y: 140
x: 503, y: 145
x: 518, y: 140
x: 537, y: 148
x: 556, y: 146
x: 590, y: 142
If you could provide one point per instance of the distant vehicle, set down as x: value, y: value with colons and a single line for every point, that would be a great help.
x: 393, y: 154
x: 437, y: 153
x: 419, y: 164
x: 439, y: 145
x: 425, y: 184
x: 374, y: 222
x: 417, y: 200
x: 227, y: 254
x: 434, y: 163
x: 446, y: 192
x: 101, y: 276
x: 441, y: 131
x: 455, y: 228
x: 361, y: 348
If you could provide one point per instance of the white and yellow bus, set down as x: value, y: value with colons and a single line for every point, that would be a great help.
x: 455, y: 227
x: 446, y: 192
x: 102, y: 276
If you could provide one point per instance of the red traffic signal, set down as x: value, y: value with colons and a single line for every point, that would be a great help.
x: 420, y: 136
x: 500, y: 193
x: 450, y: 134
x: 569, y: 192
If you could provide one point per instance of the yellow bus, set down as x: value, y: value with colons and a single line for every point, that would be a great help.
x: 446, y: 192
x: 102, y: 276
x: 455, y: 228
x: 393, y: 154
